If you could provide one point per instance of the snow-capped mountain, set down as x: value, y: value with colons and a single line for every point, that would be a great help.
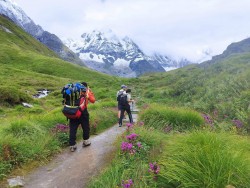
x: 18, y: 16
x: 101, y: 51
x: 105, y: 52
x: 170, y: 64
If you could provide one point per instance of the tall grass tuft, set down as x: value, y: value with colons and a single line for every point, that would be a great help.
x: 207, y: 159
x: 162, y: 117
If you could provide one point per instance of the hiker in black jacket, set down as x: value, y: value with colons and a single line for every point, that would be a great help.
x: 124, y: 105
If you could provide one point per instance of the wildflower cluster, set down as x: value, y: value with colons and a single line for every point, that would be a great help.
x: 129, y: 126
x: 141, y: 123
x: 130, y: 146
x: 61, y: 133
x: 126, y: 146
x: 132, y: 137
x: 154, y: 169
x: 60, y: 128
x: 127, y: 183
x: 208, y: 120
x: 237, y: 123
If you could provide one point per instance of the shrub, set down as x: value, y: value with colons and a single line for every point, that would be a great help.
x: 20, y: 128
x: 11, y: 95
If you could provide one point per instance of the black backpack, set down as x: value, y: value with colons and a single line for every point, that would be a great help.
x: 119, y: 95
x: 123, y: 100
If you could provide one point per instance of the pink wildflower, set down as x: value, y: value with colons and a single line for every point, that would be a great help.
x: 139, y: 145
x: 131, y: 137
x: 154, y: 168
x: 141, y: 123
x: 127, y: 183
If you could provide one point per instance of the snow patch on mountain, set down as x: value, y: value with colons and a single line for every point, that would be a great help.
x: 92, y: 57
x: 5, y: 29
x: 11, y: 9
x: 121, y: 63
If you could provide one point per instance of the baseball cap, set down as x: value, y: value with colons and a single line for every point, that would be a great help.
x: 123, y: 86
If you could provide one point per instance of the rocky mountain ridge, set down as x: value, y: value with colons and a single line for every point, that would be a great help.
x: 18, y: 16
x: 235, y: 48
x: 105, y: 52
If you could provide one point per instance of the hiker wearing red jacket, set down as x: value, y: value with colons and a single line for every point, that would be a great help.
x: 86, y: 95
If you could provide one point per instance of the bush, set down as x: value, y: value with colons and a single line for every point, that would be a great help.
x: 20, y: 128
x: 12, y: 96
x: 161, y: 117
x: 206, y: 159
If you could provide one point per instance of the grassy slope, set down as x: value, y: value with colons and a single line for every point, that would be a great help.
x: 192, y: 158
x: 223, y: 87
x: 26, y: 66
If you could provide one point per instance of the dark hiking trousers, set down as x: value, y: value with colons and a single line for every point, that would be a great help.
x: 127, y: 109
x: 73, y: 125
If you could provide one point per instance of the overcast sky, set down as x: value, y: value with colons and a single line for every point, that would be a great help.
x: 178, y: 28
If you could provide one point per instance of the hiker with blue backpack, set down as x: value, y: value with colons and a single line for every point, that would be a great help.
x: 76, y: 100
x: 124, y: 101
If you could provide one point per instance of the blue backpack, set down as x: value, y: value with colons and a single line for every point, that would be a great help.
x: 71, y: 93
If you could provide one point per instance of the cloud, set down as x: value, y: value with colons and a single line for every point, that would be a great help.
x: 178, y: 28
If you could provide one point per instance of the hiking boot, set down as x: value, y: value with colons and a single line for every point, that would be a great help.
x: 120, y: 125
x: 72, y: 148
x: 86, y: 143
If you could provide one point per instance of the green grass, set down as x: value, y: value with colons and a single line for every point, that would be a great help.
x: 195, y: 159
x: 206, y: 159
x: 32, y: 138
x: 125, y: 166
x: 178, y: 119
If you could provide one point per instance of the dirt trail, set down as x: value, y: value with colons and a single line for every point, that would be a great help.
x: 74, y: 169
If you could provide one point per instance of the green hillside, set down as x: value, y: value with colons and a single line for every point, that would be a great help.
x: 26, y: 66
x: 222, y: 88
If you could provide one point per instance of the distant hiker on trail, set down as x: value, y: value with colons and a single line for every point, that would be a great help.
x: 124, y: 101
x: 86, y: 95
x: 118, y: 95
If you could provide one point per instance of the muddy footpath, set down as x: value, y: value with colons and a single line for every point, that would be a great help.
x: 75, y: 169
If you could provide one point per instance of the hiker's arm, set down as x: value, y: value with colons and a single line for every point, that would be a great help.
x: 82, y: 105
x: 91, y: 97
x: 129, y: 99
